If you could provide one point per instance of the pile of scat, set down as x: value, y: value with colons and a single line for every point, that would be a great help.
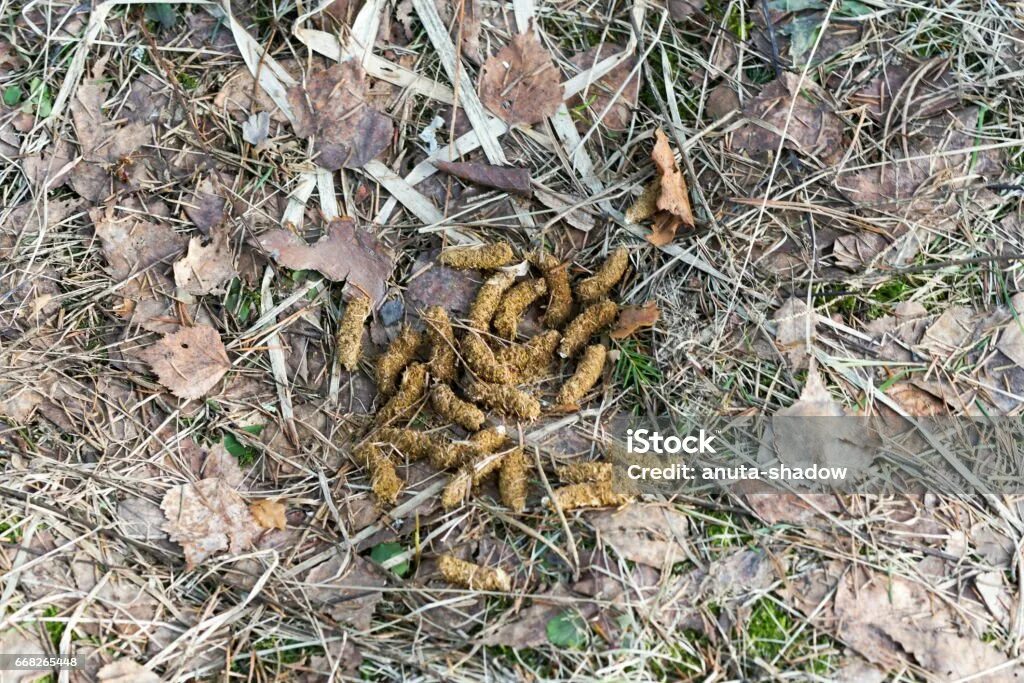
x: 482, y: 373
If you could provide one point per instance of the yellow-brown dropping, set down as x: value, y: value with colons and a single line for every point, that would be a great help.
x: 399, y: 354
x: 350, y: 331
x: 452, y: 408
x: 507, y: 400
x: 482, y: 257
x: 469, y: 476
x: 441, y: 337
x: 384, y: 480
x: 410, y: 443
x: 468, y: 575
x: 588, y: 371
x: 556, y: 275
x: 488, y: 299
x: 482, y: 361
x: 461, y: 452
x: 583, y: 472
x: 410, y: 391
x: 515, y: 302
x: 531, y: 359
x: 586, y: 495
x: 512, y: 480
x: 592, y: 320
x: 607, y: 276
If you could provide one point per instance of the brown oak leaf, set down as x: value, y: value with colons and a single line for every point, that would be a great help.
x: 632, y: 318
x: 343, y: 253
x: 207, y: 517
x: 189, y: 362
x: 673, y: 195
x: 208, y: 265
x: 520, y: 83
x: 332, y: 109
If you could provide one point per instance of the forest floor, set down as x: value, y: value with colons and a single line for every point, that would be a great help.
x: 816, y: 197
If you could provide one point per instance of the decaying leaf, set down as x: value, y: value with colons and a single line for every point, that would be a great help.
x: 673, y: 196
x: 655, y: 535
x: 950, y: 333
x: 633, y: 318
x: 108, y: 150
x: 520, y: 83
x: 256, y: 128
x: 132, y: 245
x: 189, y: 362
x: 208, y: 265
x: 1011, y: 341
x: 605, y: 91
x: 206, y: 207
x: 813, y: 129
x: 350, y: 588
x: 345, y: 252
x: 207, y: 517
x: 332, y: 109
x: 794, y: 331
x: 269, y: 513
x: 506, y: 178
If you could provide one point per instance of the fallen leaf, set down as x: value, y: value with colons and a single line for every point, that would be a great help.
x: 794, y: 332
x: 241, y: 96
x: 632, y: 318
x: 331, y: 108
x: 207, y: 517
x: 1011, y: 340
x: 605, y: 91
x: 343, y: 253
x: 738, y: 573
x: 269, y: 514
x: 673, y: 196
x: 141, y: 519
x: 206, y: 209
x: 915, y: 401
x: 126, y: 671
x: 108, y: 151
x: 950, y: 333
x: 681, y: 10
x: 654, y: 535
x: 506, y: 178
x: 256, y: 128
x: 935, y: 91
x: 813, y: 129
x: 572, y: 210
x: 528, y: 628
x: 463, y: 18
x: 132, y: 245
x: 348, y: 587
x: 520, y: 83
x: 189, y: 362
x: 208, y: 265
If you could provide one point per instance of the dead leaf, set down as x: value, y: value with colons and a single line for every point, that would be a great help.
x: 126, y: 671
x: 681, y: 10
x: 269, y: 514
x: 343, y: 253
x: 795, y: 331
x: 207, y: 267
x: 242, y: 97
x: 141, y: 519
x: 528, y: 628
x: 206, y: 209
x: 632, y: 318
x: 463, y: 19
x: 348, y: 587
x: 1011, y: 340
x: 108, y: 150
x: 207, y: 517
x: 738, y: 573
x: 332, y: 109
x: 599, y: 95
x: 520, y: 83
x: 654, y: 535
x: 813, y: 129
x: 506, y: 178
x: 189, y: 362
x: 256, y: 128
x: 673, y: 196
x: 572, y: 210
x: 132, y: 245
x: 950, y: 333
x: 916, y: 401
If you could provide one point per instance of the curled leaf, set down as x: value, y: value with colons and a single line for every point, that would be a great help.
x: 632, y: 318
x: 520, y: 83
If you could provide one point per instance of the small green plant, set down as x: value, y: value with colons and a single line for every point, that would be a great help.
x: 385, y: 551
x: 568, y: 630
x: 55, y: 629
x: 12, y: 95
x: 40, y: 100
x: 244, y: 453
x: 768, y: 630
x: 188, y: 81
x: 635, y: 369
